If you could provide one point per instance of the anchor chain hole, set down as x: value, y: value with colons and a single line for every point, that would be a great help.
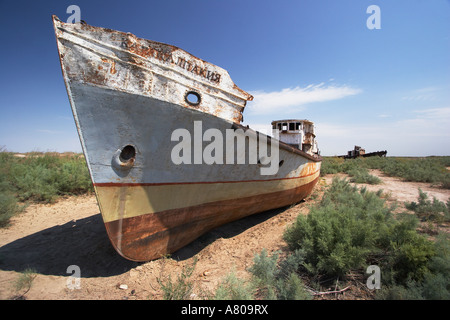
x: 128, y: 152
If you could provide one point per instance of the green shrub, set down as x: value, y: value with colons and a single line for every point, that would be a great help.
x: 8, y: 203
x: 270, y: 279
x: 233, y: 288
x: 34, y: 182
x: 47, y: 177
x: 331, y: 165
x: 361, y: 175
x: 429, y: 169
x: 41, y: 178
x: 292, y: 288
x: 340, y: 233
x: 428, y: 210
x: 24, y: 282
x: 278, y: 281
x: 182, y: 287
x: 44, y: 178
x: 435, y: 284
x: 410, y: 254
x: 353, y: 228
x: 8, y: 207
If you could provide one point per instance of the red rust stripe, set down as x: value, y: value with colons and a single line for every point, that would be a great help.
x: 127, y: 184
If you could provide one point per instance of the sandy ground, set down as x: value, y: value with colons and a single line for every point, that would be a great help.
x: 49, y: 238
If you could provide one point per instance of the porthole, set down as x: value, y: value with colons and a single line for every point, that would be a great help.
x: 193, y: 98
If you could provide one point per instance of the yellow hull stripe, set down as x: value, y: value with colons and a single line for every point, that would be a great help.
x: 119, y: 202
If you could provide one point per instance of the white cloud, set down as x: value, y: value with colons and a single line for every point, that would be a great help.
x: 423, y: 94
x: 435, y: 114
x: 294, y: 99
x: 49, y: 131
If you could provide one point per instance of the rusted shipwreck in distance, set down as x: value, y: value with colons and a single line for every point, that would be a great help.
x: 361, y: 152
x: 128, y: 95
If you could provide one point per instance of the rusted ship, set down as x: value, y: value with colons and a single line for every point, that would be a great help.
x: 150, y: 117
x: 360, y: 152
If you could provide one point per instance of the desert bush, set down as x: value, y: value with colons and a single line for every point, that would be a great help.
x: 428, y: 210
x: 341, y: 231
x: 409, y: 254
x: 41, y: 178
x: 23, y: 283
x: 435, y: 284
x: 352, y: 228
x: 279, y: 281
x: 182, y: 287
x: 233, y: 288
x: 362, y: 175
x: 331, y: 165
x: 8, y: 207
x: 271, y: 279
x: 46, y: 177
x: 8, y: 202
x: 429, y: 169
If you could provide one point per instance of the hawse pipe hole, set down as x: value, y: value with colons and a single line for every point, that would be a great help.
x: 124, y: 158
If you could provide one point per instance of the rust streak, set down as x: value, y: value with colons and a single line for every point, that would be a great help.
x: 113, y: 67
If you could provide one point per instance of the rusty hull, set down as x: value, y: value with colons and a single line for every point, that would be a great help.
x: 124, y: 62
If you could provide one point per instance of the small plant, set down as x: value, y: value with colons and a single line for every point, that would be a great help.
x: 8, y: 207
x: 361, y: 175
x: 8, y: 203
x: 435, y: 283
x: 331, y: 165
x: 270, y: 279
x: 428, y: 210
x: 233, y: 288
x: 182, y: 287
x: 24, y: 282
x: 278, y: 280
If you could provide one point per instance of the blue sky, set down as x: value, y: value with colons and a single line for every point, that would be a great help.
x: 383, y: 89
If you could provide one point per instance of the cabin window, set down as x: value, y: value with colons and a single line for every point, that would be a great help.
x: 284, y: 126
x: 279, y: 126
x: 274, y: 126
x: 292, y: 126
x: 297, y: 126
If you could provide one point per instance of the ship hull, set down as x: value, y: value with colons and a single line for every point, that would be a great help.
x: 151, y: 236
x: 152, y: 204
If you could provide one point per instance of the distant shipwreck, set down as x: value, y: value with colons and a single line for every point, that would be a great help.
x: 360, y: 152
